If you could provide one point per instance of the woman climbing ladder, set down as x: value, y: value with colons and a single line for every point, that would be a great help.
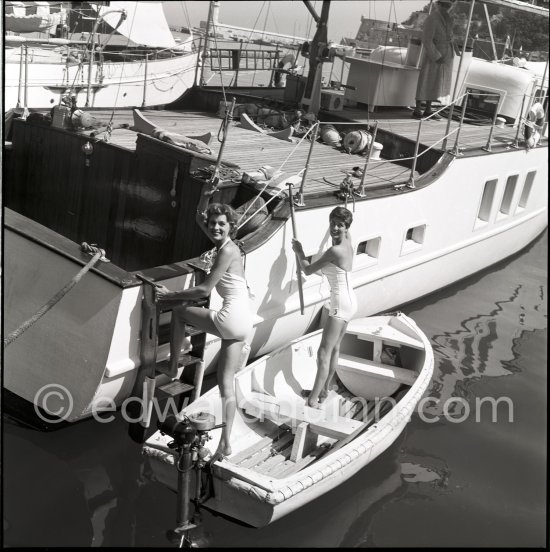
x: 233, y: 322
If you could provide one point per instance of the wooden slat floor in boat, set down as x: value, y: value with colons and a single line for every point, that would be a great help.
x: 271, y: 455
x: 252, y: 150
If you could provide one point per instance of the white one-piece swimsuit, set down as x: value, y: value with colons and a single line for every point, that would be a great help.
x: 342, y: 303
x: 235, y: 318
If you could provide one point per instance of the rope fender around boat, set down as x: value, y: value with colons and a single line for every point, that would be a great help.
x: 99, y: 254
x: 277, y: 496
x: 280, y: 495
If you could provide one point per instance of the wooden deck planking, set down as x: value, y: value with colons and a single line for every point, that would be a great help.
x: 400, y: 121
x: 251, y: 150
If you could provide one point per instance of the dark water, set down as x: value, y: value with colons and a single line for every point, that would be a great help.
x: 474, y: 483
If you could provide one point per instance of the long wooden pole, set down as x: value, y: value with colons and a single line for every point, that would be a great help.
x: 304, y: 175
x: 295, y: 235
x: 227, y: 120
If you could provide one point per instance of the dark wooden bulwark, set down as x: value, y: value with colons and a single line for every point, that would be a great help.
x: 137, y: 205
x: 160, y: 208
x: 50, y: 183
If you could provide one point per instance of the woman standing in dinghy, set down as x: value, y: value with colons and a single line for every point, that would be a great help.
x: 233, y: 322
x: 336, y: 265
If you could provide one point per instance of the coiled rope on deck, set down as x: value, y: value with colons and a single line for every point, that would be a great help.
x: 99, y: 253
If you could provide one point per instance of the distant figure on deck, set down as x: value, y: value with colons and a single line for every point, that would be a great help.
x: 233, y: 322
x: 534, y: 123
x: 336, y: 264
x: 434, y: 80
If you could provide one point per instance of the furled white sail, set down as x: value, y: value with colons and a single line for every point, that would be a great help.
x: 145, y: 22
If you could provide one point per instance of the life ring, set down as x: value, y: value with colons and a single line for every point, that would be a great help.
x: 533, y: 122
x: 286, y: 63
x: 356, y: 141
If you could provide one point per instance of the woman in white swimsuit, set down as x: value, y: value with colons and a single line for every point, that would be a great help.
x: 335, y: 264
x: 233, y: 322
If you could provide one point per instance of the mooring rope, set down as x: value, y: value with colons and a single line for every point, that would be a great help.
x: 58, y: 296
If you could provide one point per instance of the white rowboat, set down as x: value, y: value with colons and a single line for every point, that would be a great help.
x: 284, y: 453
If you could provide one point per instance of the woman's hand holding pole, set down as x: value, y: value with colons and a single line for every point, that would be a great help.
x: 294, y: 233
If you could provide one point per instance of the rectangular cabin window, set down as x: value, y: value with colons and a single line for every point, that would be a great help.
x: 506, y: 204
x: 526, y: 192
x: 482, y: 102
x: 487, y: 200
x: 414, y: 238
x: 370, y: 248
x: 367, y: 253
x: 416, y: 234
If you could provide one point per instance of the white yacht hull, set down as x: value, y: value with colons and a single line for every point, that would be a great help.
x: 114, y: 84
x: 455, y: 244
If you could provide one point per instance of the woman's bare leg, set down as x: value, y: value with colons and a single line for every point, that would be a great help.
x: 331, y: 334
x: 230, y: 355
x: 182, y: 315
x: 333, y: 364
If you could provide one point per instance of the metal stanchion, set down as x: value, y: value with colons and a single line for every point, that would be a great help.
x: 515, y: 144
x: 456, y: 151
x: 488, y: 146
x: 300, y: 202
x: 410, y: 183
x: 362, y: 185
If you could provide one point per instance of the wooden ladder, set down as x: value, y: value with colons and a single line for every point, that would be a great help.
x: 151, y: 382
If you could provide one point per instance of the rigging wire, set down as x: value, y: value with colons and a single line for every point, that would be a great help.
x: 392, y: 5
x: 239, y: 224
x: 185, y: 11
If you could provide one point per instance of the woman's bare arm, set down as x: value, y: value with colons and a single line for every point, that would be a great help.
x: 203, y: 205
x: 329, y: 256
x: 220, y: 266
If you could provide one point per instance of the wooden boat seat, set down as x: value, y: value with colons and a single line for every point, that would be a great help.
x: 267, y: 407
x: 378, y: 370
x: 368, y: 329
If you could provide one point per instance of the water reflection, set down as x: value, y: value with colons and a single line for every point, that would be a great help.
x: 483, y: 345
x: 83, y: 485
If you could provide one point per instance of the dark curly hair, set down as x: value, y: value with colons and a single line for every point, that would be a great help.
x: 343, y: 214
x: 223, y: 209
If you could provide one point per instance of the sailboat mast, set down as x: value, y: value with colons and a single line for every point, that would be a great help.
x: 205, y: 46
x: 312, y: 89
